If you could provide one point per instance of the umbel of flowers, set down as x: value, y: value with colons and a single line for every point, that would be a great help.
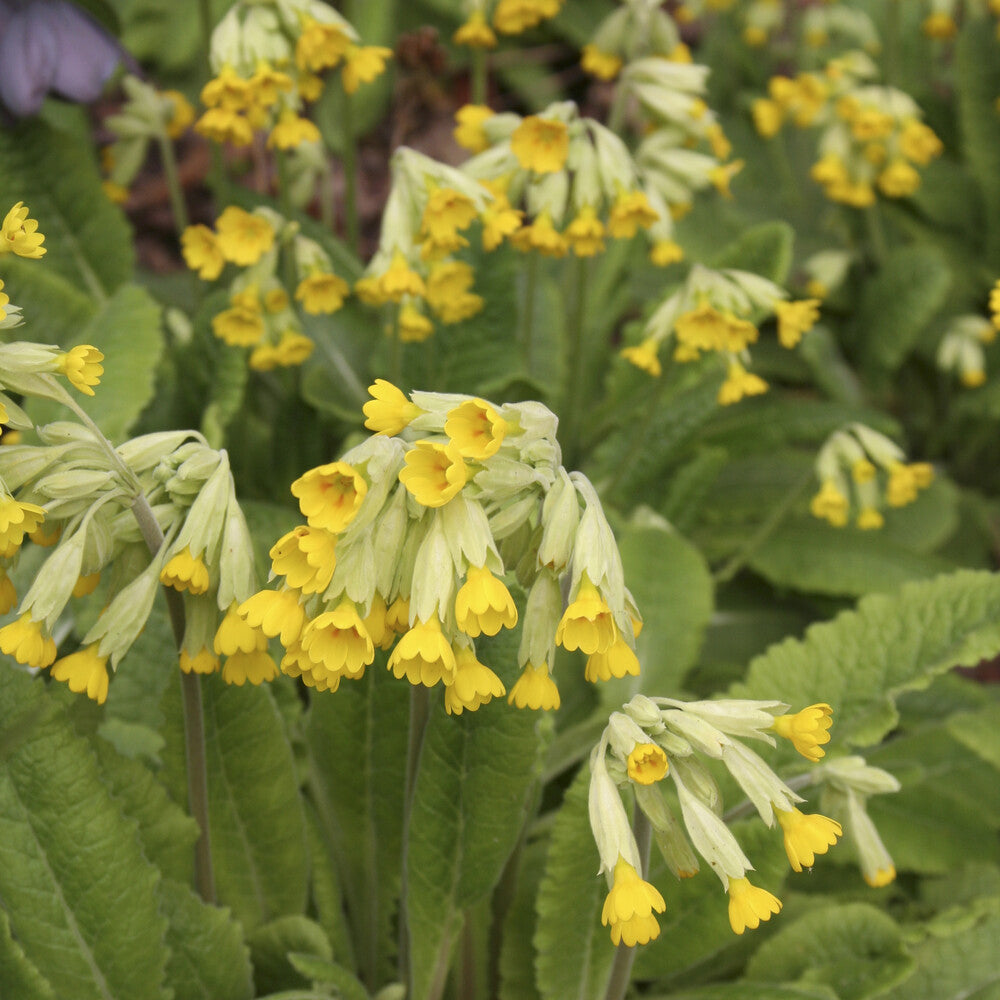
x: 633, y: 30
x: 652, y: 740
x: 718, y: 312
x: 509, y: 17
x: 408, y: 538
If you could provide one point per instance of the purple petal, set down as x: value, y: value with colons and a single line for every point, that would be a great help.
x: 28, y: 60
x: 87, y: 53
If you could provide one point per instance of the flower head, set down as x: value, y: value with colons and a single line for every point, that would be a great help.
x: 586, y: 233
x: 339, y: 641
x: 603, y: 65
x: 276, y: 613
x: 20, y: 235
x: 17, y: 519
x: 185, y: 572
x: 362, y: 64
x: 475, y: 33
x: 619, y: 660
x: 434, y: 473
x: 254, y: 667
x: 795, y: 319
x: 644, y: 356
x: 202, y: 253
x: 330, y: 495
x: 587, y: 624
x: 84, y: 671
x: 474, y: 685
x: 243, y: 237
x: 388, y: 411
x: 320, y: 46
x: 647, y: 763
x: 424, y: 656
x: 630, y: 211
x: 26, y: 641
x: 535, y: 689
x: 808, y: 730
x: 483, y: 605
x: 468, y: 133
x: 82, y: 366
x: 540, y: 144
x: 476, y: 429
x: 629, y: 907
x: 322, y: 292
x: 807, y: 835
x: 749, y: 905
x: 290, y: 130
x: 205, y: 661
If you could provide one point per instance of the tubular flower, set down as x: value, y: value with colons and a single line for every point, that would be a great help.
x: 542, y: 236
x: 540, y: 144
x: 603, y: 65
x: 630, y: 211
x: 320, y: 46
x: 277, y: 613
x: 339, y: 641
x: 400, y: 279
x: 388, y: 411
x: 483, y: 605
x: 644, y: 356
x: 17, y: 519
x: 806, y: 836
x: 26, y: 641
x: 749, y: 905
x: 446, y: 210
x: 185, y: 572
x: 362, y: 64
x: 330, y: 495
x: 414, y: 327
x: 290, y: 130
x: 619, y: 661
x: 434, y: 473
x: 20, y: 235
x: 201, y: 252
x: 322, y: 292
x: 234, y: 635
x: 203, y: 662
x: 256, y: 667
x: 82, y: 366
x: 704, y: 328
x: 587, y: 624
x: 808, y: 730
x: 630, y: 906
x: 474, y: 685
x: 243, y: 237
x: 830, y: 504
x: 499, y: 220
x: 306, y: 557
x: 225, y: 125
x: 424, y: 656
x: 586, y: 233
x: 535, y: 689
x: 476, y: 430
x: 475, y: 33
x: 85, y: 671
x: 795, y: 319
x: 739, y: 383
x: 666, y: 252
x: 8, y: 593
x: 647, y: 763
x: 905, y: 480
x: 240, y: 326
x: 468, y: 131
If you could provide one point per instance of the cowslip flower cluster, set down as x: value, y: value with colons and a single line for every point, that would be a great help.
x: 19, y: 235
x: 633, y: 30
x: 268, y: 57
x: 861, y: 471
x: 717, y: 312
x: 509, y: 17
x: 408, y: 538
x: 652, y: 739
x: 261, y: 314
x: 961, y: 349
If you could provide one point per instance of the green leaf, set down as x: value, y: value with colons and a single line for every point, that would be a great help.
x: 79, y: 894
x: 899, y: 302
x: 980, y: 732
x: 55, y: 309
x: 753, y: 991
x: 271, y: 943
x: 863, y: 659
x: 325, y: 889
x: 208, y: 957
x: 574, y: 952
x: 517, y: 953
x: 230, y: 375
x: 856, y: 948
x: 323, y: 971
x: 765, y: 250
x: 255, y: 812
x: 17, y: 973
x: 357, y: 739
x: 475, y: 775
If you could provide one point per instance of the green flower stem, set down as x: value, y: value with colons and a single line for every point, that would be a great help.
x: 288, y: 211
x: 350, y: 157
x: 621, y: 968
x: 528, y: 315
x: 477, y: 84
x: 574, y: 389
x: 173, y: 179
x: 876, y: 233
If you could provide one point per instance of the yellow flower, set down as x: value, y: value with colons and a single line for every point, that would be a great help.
x: 185, y: 572
x: 45, y: 538
x: 806, y: 836
x: 8, y: 593
x: 85, y: 671
x: 203, y: 662
x: 434, y: 473
x: 400, y: 279
x: 939, y: 25
x: 243, y: 237
x: 830, y: 504
x: 514, y: 16
x: 234, y: 635
x: 228, y: 90
x: 377, y: 625
x: 540, y: 235
x: 666, y: 252
x: 447, y: 281
x: 388, y: 411
x: 475, y: 429
x: 808, y: 730
x: 587, y: 623
x: 795, y: 319
x: 25, y: 640
x: 330, y: 495
x: 644, y: 356
x: 603, y: 65
x: 586, y: 233
x: 499, y: 220
x: 535, y: 689
x: 475, y: 33
x: 20, y: 235
x: 362, y: 64
x: 306, y: 557
x: 339, y: 641
x: 630, y: 906
x: 413, y: 326
x: 898, y: 180
x: 397, y: 615
x: 256, y: 667
x: 267, y: 84
x: 749, y: 905
x: 446, y: 210
x: 469, y: 132
x: 320, y: 46
x: 768, y: 117
x: 617, y: 661
x: 424, y: 656
x: 277, y: 613
x: 239, y: 326
x: 704, y: 328
x: 919, y: 143
x: 82, y: 366
x: 540, y: 144
x: 722, y: 175
x: 4, y: 300
x: 182, y: 114
x: 483, y: 605
x: 292, y: 349
x: 290, y: 130
x: 201, y: 252
x: 739, y: 383
x: 630, y: 211
x: 86, y: 584
x: 474, y: 685
x: 17, y: 519
x: 647, y: 763
x: 225, y: 125
x: 906, y: 480
x: 322, y: 292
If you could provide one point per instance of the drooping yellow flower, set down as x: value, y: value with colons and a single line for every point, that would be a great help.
x: 339, y: 640
x: 869, y: 519
x: 446, y: 210
x: 468, y: 132
x: 587, y: 623
x: 540, y: 144
x: 322, y: 292
x: 499, y: 219
x: 362, y: 64
x: 603, y: 65
x: 203, y: 662
x: 243, y: 237
x: 4, y: 300
x: 483, y: 604
x: 722, y: 176
x: 330, y: 495
x: 225, y: 125
x: 739, y: 383
x: 239, y: 326
x: 514, y: 16
x: 388, y: 411
x: 749, y: 905
x: 19, y: 234
x: 26, y: 641
x: 293, y: 348
x: 17, y: 519
x: 806, y: 835
x: 400, y: 279
x: 277, y: 613
x: 898, y: 180
x: 830, y: 504
x: 795, y: 319
x: 320, y: 46
x: 644, y: 356
x: 235, y: 635
x: 475, y: 33
x: 919, y: 143
x: 182, y: 113
x: 448, y: 280
x: 663, y: 253
x: 290, y: 130
x: 227, y: 90
x: 424, y: 656
x: 475, y: 429
x: 474, y: 685
x: 808, y: 730
x: 647, y: 763
x: 85, y: 671
x: 630, y: 211
x: 542, y: 236
x: 268, y: 84
x: 82, y: 366
x: 535, y: 689
x: 585, y: 233
x: 617, y: 661
x: 185, y: 572
x: 254, y: 667
x: 704, y: 328
x: 413, y: 326
x: 8, y: 592
x: 434, y: 473
x: 768, y: 117
x: 906, y: 480
x: 940, y: 26
x: 201, y: 252
x: 629, y: 907
x: 44, y: 537
x: 306, y: 557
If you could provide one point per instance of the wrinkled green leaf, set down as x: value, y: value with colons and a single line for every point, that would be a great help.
x: 271, y: 943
